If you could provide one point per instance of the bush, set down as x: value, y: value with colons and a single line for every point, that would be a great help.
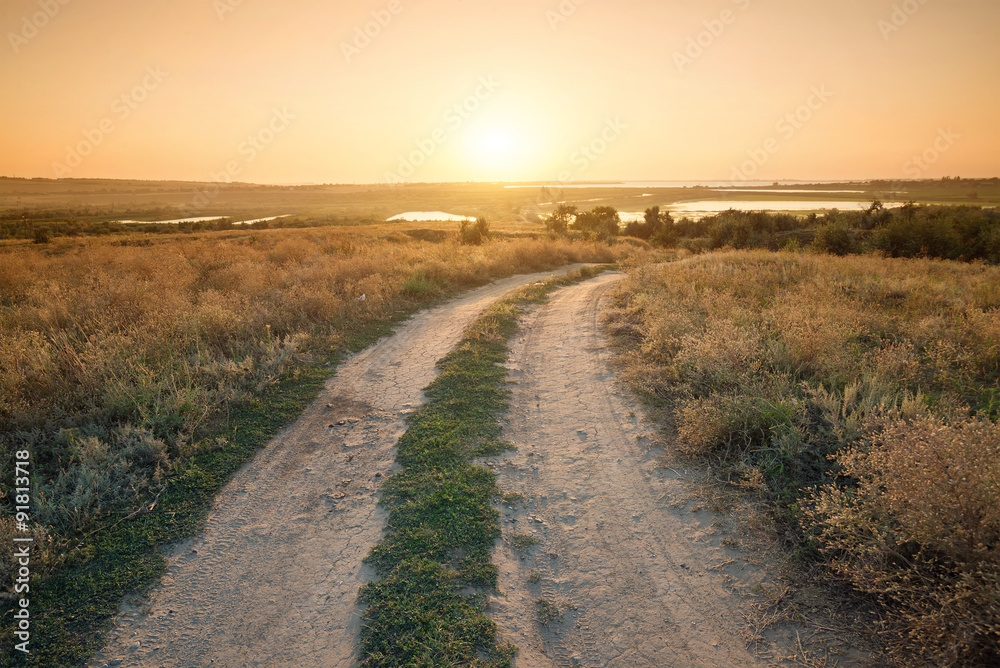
x: 474, y: 234
x: 790, y: 373
x: 558, y: 222
x: 601, y: 222
x: 834, y: 238
x: 920, y: 527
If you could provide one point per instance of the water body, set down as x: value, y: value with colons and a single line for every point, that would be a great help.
x: 426, y: 216
x: 175, y: 220
x: 696, y: 210
x: 260, y: 220
x: 662, y: 184
x: 770, y: 191
x: 201, y: 219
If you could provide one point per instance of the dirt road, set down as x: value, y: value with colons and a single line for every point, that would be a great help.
x: 637, y: 578
x: 273, y: 578
x: 638, y: 581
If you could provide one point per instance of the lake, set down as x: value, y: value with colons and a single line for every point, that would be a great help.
x: 427, y: 216
x: 201, y: 219
x: 698, y: 209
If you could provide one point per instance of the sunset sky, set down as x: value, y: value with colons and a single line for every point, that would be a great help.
x: 330, y: 91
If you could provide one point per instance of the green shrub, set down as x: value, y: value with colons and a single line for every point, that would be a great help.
x: 834, y: 238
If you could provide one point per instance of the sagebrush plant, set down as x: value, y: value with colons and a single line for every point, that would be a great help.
x: 164, y: 337
x: 920, y: 526
x: 772, y: 366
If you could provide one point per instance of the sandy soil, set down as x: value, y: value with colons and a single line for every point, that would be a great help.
x: 272, y: 579
x: 640, y: 576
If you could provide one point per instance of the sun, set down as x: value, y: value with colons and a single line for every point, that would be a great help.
x: 496, y: 149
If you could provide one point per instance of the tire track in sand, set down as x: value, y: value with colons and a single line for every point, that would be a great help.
x: 273, y: 577
x: 640, y: 582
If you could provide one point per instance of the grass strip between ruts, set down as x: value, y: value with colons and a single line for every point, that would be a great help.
x: 442, y: 524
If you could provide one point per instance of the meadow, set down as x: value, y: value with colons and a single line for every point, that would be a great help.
x: 856, y: 398
x: 140, y: 372
x: 852, y: 392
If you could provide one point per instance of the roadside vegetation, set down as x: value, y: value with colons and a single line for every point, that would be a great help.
x: 857, y: 397
x: 140, y: 376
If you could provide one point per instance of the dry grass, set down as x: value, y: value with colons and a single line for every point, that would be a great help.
x: 921, y: 528
x: 116, y: 357
x: 874, y: 381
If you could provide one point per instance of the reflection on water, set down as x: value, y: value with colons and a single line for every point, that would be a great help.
x: 260, y: 220
x: 426, y: 216
x: 201, y: 219
x: 176, y: 220
x: 659, y: 184
x: 696, y: 210
x: 787, y: 190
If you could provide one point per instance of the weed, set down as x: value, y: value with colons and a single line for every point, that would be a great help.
x: 137, y: 370
x: 547, y: 612
x: 520, y: 541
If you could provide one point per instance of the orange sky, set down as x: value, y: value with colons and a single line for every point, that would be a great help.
x: 473, y: 90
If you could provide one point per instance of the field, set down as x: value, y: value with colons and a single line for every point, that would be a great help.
x: 140, y: 372
x: 855, y: 398
x: 858, y: 398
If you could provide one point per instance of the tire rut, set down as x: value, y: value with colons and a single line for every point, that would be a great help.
x: 634, y: 573
x: 272, y: 578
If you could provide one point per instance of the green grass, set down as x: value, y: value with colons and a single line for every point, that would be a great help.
x: 442, y: 524
x: 520, y: 541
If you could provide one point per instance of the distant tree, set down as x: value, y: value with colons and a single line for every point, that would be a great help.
x: 666, y: 233
x: 558, y: 222
x: 601, y: 221
x: 657, y: 228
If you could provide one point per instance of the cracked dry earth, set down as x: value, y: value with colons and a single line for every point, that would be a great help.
x: 639, y: 580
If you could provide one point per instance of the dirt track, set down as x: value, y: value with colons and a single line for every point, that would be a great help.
x: 273, y: 578
x: 639, y: 582
x: 639, y: 579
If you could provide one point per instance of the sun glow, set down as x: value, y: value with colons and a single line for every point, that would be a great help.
x: 495, y: 148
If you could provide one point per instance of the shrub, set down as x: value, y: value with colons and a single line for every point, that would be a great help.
x: 834, y: 238
x: 474, y: 234
x: 601, y: 222
x: 920, y: 527
x: 792, y: 372
x: 558, y: 222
